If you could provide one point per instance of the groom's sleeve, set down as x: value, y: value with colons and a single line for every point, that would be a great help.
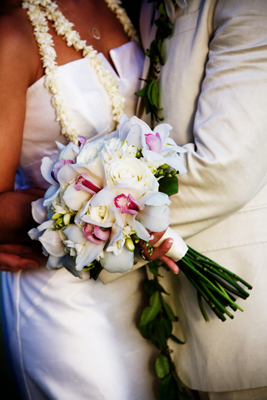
x: 227, y: 164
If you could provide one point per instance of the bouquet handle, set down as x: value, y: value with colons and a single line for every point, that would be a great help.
x: 176, y: 252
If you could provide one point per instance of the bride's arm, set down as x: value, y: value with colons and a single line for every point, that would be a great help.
x: 18, y: 67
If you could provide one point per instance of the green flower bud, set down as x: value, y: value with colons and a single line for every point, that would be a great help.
x: 165, y: 167
x: 59, y: 222
x: 56, y: 216
x: 129, y: 244
x: 67, y: 218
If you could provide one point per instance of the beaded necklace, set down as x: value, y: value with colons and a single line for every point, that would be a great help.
x: 39, y: 13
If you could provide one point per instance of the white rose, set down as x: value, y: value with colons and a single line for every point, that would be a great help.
x: 101, y: 214
x: 90, y: 151
x: 132, y: 172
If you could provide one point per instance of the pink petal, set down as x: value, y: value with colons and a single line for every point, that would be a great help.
x: 95, y: 234
x: 89, y: 234
x: 126, y: 204
x: 100, y: 234
x: 154, y: 142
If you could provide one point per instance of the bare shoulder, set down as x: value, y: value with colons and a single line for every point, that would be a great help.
x: 18, y: 49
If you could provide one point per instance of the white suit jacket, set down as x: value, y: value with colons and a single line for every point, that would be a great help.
x: 214, y: 93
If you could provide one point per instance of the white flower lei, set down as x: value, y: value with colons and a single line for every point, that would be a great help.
x: 39, y: 11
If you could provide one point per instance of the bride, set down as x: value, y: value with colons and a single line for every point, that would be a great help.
x: 65, y: 338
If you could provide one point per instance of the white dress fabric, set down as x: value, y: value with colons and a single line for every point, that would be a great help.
x: 68, y: 338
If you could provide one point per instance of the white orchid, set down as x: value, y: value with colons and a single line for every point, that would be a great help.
x: 87, y: 251
x: 157, y: 147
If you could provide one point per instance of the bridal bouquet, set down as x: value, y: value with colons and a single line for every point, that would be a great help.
x: 104, y: 197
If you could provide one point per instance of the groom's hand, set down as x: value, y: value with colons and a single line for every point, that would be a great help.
x: 15, y: 257
x: 159, y: 253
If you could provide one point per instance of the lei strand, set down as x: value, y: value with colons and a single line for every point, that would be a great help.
x: 64, y: 28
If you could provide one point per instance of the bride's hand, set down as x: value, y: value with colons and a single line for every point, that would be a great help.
x: 160, y: 251
x: 16, y: 257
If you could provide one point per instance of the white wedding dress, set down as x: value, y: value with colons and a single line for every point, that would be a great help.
x: 68, y: 338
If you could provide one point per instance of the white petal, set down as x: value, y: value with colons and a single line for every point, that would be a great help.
x: 134, y: 136
x: 120, y: 218
x: 39, y: 212
x: 66, y: 174
x: 54, y: 263
x: 176, y: 163
x: 152, y: 156
x: 89, y: 220
x: 156, y: 219
x: 34, y: 234
x: 69, y: 152
x: 75, y: 234
x: 52, y: 243
x: 136, y: 121
x: 89, y: 254
x: 116, y: 234
x: 163, y: 130
x: 74, y: 199
x: 45, y: 225
x: 121, y: 263
x: 103, y: 198
x: 60, y: 146
x: 95, y: 170
x: 154, y: 199
x: 140, y: 230
x: 46, y: 169
x: 51, y: 195
x: 123, y: 129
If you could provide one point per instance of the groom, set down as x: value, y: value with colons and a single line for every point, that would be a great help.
x: 213, y: 90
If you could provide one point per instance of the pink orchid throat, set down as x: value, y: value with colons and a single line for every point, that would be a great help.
x: 154, y: 142
x: 82, y: 140
x: 85, y: 183
x: 126, y: 204
x: 95, y: 234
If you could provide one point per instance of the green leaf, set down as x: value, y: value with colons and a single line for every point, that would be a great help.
x: 149, y: 91
x: 161, y: 366
x: 176, y: 340
x: 153, y: 267
x: 145, y: 332
x: 168, y: 389
x: 155, y: 94
x: 166, y: 327
x: 151, y: 312
x: 94, y: 273
x: 168, y: 185
x: 154, y: 300
x: 169, y: 311
x: 162, y: 9
x: 164, y: 27
x: 142, y: 92
x: 151, y: 286
x: 147, y: 105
